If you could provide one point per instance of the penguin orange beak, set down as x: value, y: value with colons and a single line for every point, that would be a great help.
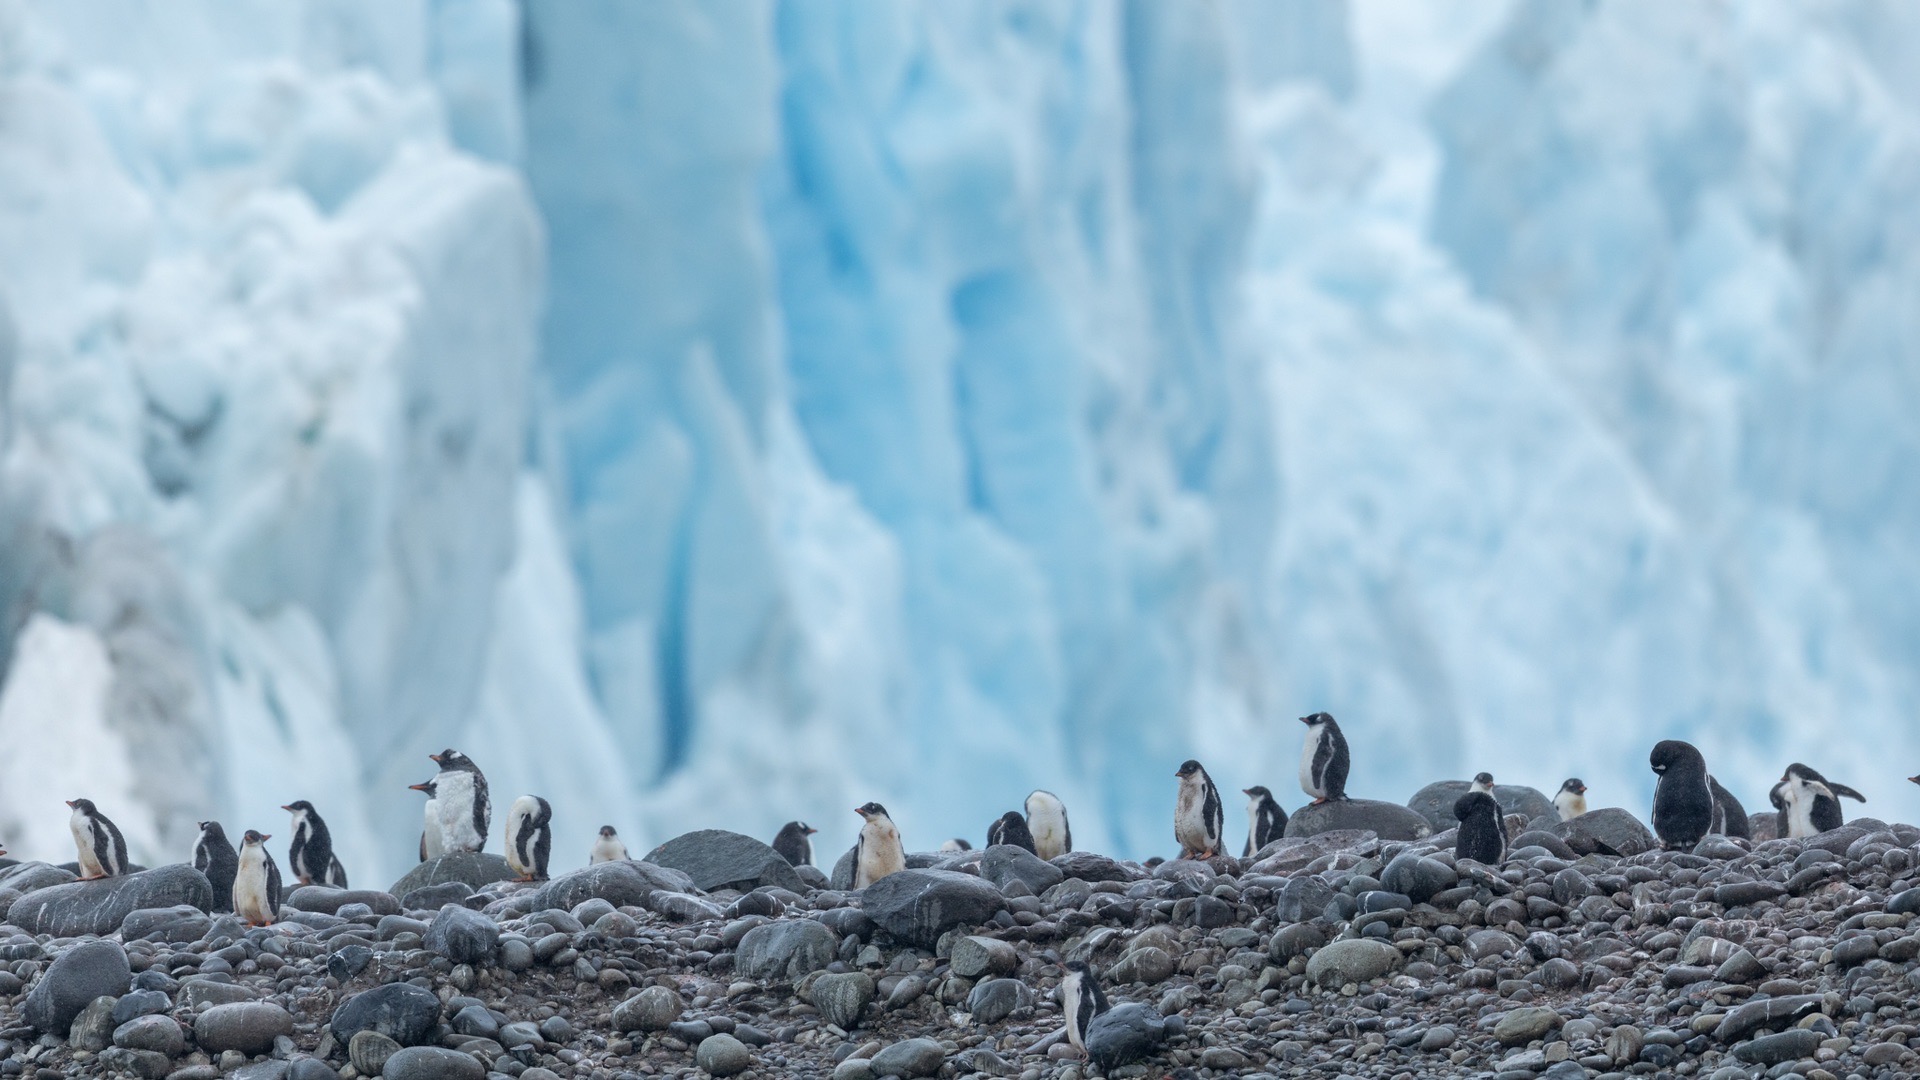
x: 71, y: 802
x: 861, y: 810
x: 422, y: 786
x: 288, y: 809
x: 435, y: 758
x: 811, y: 830
x: 266, y: 836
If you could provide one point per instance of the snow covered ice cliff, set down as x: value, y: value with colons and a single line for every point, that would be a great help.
x: 717, y: 413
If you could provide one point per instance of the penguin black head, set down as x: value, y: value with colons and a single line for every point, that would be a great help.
x: 297, y: 807
x: 432, y: 790
x: 1668, y: 753
x: 451, y: 759
x: 872, y: 809
x: 1483, y: 778
x: 607, y: 831
x: 1913, y: 779
x: 1256, y: 792
x: 1574, y: 785
x: 1188, y: 768
x: 85, y: 806
x: 806, y: 828
x: 212, y: 830
x: 1317, y: 718
x: 254, y: 836
x: 1078, y: 966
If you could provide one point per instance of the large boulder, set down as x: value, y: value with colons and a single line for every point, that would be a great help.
x: 1006, y: 863
x: 27, y: 876
x: 1610, y: 826
x: 325, y: 899
x: 402, y: 1012
x: 249, y: 1027
x: 842, y: 876
x: 101, y: 905
x: 718, y: 859
x: 472, y: 868
x: 786, y: 949
x: 86, y: 971
x: 621, y: 883
x: 179, y: 925
x: 462, y: 935
x: 1090, y: 867
x: 917, y: 906
x: 1435, y: 803
x: 1389, y: 821
x: 1353, y: 960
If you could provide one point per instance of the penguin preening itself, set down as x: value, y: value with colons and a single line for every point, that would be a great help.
x: 1047, y: 823
x: 103, y: 851
x: 608, y: 847
x: 529, y: 837
x: 213, y: 855
x: 792, y: 844
x: 878, y: 852
x: 1323, y: 759
x: 1482, y: 836
x: 1482, y: 783
x: 1683, y: 804
x: 432, y: 843
x: 1818, y: 801
x: 310, y: 855
x: 1571, y: 800
x: 256, y: 882
x: 1198, y: 817
x: 958, y: 843
x: 1080, y: 1001
x: 1266, y: 821
x: 465, y: 813
x: 1010, y: 828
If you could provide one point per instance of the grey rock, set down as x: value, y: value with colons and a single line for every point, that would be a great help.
x: 435, y: 897
x: 652, y: 1009
x: 1089, y: 867
x: 92, y: 1030
x: 86, y: 971
x: 1791, y: 1045
x: 176, y: 925
x: 1435, y: 802
x: 160, y: 1034
x: 917, y: 906
x: 101, y: 905
x: 1416, y: 876
x: 326, y: 900
x: 462, y: 935
x: 718, y: 859
x: 787, y: 949
x: 249, y: 1027
x: 1522, y: 1026
x: 1615, y: 828
x: 996, y: 999
x: 27, y: 877
x: 1741, y: 893
x: 349, y: 961
x: 401, y: 1011
x: 1298, y: 939
x: 201, y: 989
x: 914, y: 1057
x: 1390, y: 821
x: 1905, y: 903
x: 1147, y: 964
x: 140, y: 1003
x: 433, y: 1063
x: 1303, y: 899
x: 974, y: 956
x: 306, y: 1068
x: 842, y: 998
x: 720, y: 1055
x: 265, y: 1070
x: 621, y: 883
x: 1006, y: 863
x: 682, y: 907
x: 145, y: 1064
x: 1543, y: 839
x: 1128, y: 1033
x: 1772, y: 1012
x: 1354, y: 960
x: 369, y: 1051
x: 476, y: 869
x: 841, y: 879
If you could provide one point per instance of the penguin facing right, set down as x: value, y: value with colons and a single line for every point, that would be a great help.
x: 1010, y: 828
x: 878, y: 852
x: 213, y: 855
x: 1266, y: 821
x: 1198, y: 817
x: 1047, y: 822
x: 465, y: 812
x: 1683, y: 804
x: 256, y: 882
x: 310, y: 855
x: 529, y: 837
x: 1482, y: 836
x: 103, y: 851
x: 1324, y: 760
x: 1482, y: 783
x: 1571, y: 800
x: 433, y: 843
x: 793, y: 845
x: 1080, y: 1001
x: 608, y: 848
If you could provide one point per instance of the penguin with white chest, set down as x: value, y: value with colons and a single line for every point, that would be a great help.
x: 529, y: 837
x: 1266, y: 821
x: 1047, y: 822
x: 1324, y: 760
x: 103, y: 851
x: 310, y: 855
x: 1809, y: 802
x: 1198, y: 816
x: 461, y: 794
x: 1010, y: 828
x: 256, y: 882
x: 1683, y: 803
x: 1571, y: 800
x: 433, y: 843
x: 1482, y: 836
x: 791, y: 843
x: 1080, y: 1001
x: 607, y: 847
x: 213, y: 855
x: 878, y: 852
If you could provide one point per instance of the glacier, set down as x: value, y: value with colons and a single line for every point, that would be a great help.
x: 711, y: 414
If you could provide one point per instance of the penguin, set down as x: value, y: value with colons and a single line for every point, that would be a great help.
x: 256, y: 882
x: 529, y: 837
x: 1266, y: 821
x: 1080, y: 1001
x: 433, y: 843
x: 1482, y: 836
x: 1913, y: 779
x: 1483, y: 783
x: 877, y: 853
x: 336, y: 873
x: 1324, y: 760
x: 103, y: 851
x: 310, y: 855
x: 1571, y: 801
x: 792, y: 843
x: 1011, y: 828
x: 1824, y: 812
x: 1729, y: 817
x: 1683, y: 805
x: 1198, y: 817
x: 1047, y: 823
x: 213, y: 855
x: 608, y: 847
x: 958, y: 843
x: 465, y: 813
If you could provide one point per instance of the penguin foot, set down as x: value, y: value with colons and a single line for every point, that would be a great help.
x: 1320, y: 801
x: 529, y: 877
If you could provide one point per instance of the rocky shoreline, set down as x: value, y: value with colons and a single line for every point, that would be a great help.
x: 1336, y: 954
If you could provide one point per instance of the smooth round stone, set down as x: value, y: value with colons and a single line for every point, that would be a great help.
x: 432, y: 1063
x: 721, y: 1055
x: 160, y: 1034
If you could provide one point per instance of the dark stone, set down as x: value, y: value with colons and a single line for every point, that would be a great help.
x: 1303, y: 899
x: 1609, y: 826
x: 914, y: 1057
x: 1128, y: 1033
x: 787, y: 949
x: 159, y: 1034
x: 996, y: 999
x: 176, y: 925
x: 718, y: 859
x: 1740, y: 893
x: 435, y: 897
x: 621, y: 883
x: 1417, y: 876
x: 475, y: 869
x: 462, y: 935
x: 249, y: 1027
x: 1791, y: 1045
x: 1541, y: 838
x: 140, y: 1003
x: 401, y: 1011
x: 842, y: 998
x: 1771, y: 1012
x: 101, y: 905
x: 842, y: 876
x: 28, y: 876
x: 349, y: 961
x: 86, y: 971
x: 433, y: 1063
x: 917, y: 906
x: 1390, y: 821
x: 326, y: 900
x: 1003, y: 863
x: 1906, y: 903
x: 1090, y: 867
x: 1435, y: 803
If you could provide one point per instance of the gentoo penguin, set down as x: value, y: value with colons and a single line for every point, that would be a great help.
x: 1482, y: 783
x: 877, y: 853
x: 1683, y: 806
x: 958, y: 843
x: 1080, y: 1001
x: 103, y: 851
x: 256, y: 882
x: 1913, y: 779
x: 1047, y: 822
x: 1825, y: 812
x: 529, y: 837
x: 465, y: 813
x: 1571, y: 801
x: 1323, y: 759
x: 1198, y: 817
x: 310, y: 856
x: 1010, y: 828
x: 608, y: 847
x: 792, y: 843
x: 1729, y: 817
x: 1266, y: 821
x: 1482, y: 836
x: 213, y: 855
x: 433, y: 843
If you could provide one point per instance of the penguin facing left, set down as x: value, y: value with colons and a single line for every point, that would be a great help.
x: 1571, y: 800
x: 1683, y: 804
x: 608, y: 847
x: 256, y: 882
x: 1080, y: 1001
x: 310, y: 855
x: 1047, y: 822
x: 1266, y: 821
x: 1198, y: 816
x: 465, y: 812
x: 433, y: 843
x: 213, y: 855
x: 1010, y: 828
x: 792, y: 844
x: 1324, y: 760
x: 529, y: 837
x: 1810, y: 807
x: 1482, y: 836
x: 878, y: 852
x: 1825, y: 812
x: 103, y: 851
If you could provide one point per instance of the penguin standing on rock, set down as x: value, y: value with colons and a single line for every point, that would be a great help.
x: 1324, y: 760
x: 1571, y: 800
x: 1266, y: 821
x: 1683, y: 804
x: 1047, y: 821
x: 1080, y: 1001
x: 529, y: 837
x: 792, y: 843
x: 103, y: 851
x: 1818, y: 801
x: 433, y: 843
x: 256, y: 882
x: 878, y: 852
x: 608, y: 848
x: 465, y: 813
x: 1482, y: 836
x: 310, y: 855
x: 1198, y: 817
x: 213, y: 855
x: 1010, y: 828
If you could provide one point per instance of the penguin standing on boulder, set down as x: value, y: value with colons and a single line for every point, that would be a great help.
x: 1010, y: 828
x: 433, y: 843
x: 1683, y: 805
x: 465, y: 813
x: 213, y: 855
x: 1819, y: 801
x: 1324, y: 760
x: 1047, y: 822
x: 256, y: 882
x: 608, y: 848
x: 792, y: 843
x: 1482, y: 836
x: 1198, y: 816
x: 529, y: 837
x: 878, y: 852
x: 310, y: 855
x: 1080, y: 1001
x: 1266, y: 821
x: 1571, y: 800
x: 103, y: 851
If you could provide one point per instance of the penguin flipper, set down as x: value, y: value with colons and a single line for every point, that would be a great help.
x: 1842, y: 789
